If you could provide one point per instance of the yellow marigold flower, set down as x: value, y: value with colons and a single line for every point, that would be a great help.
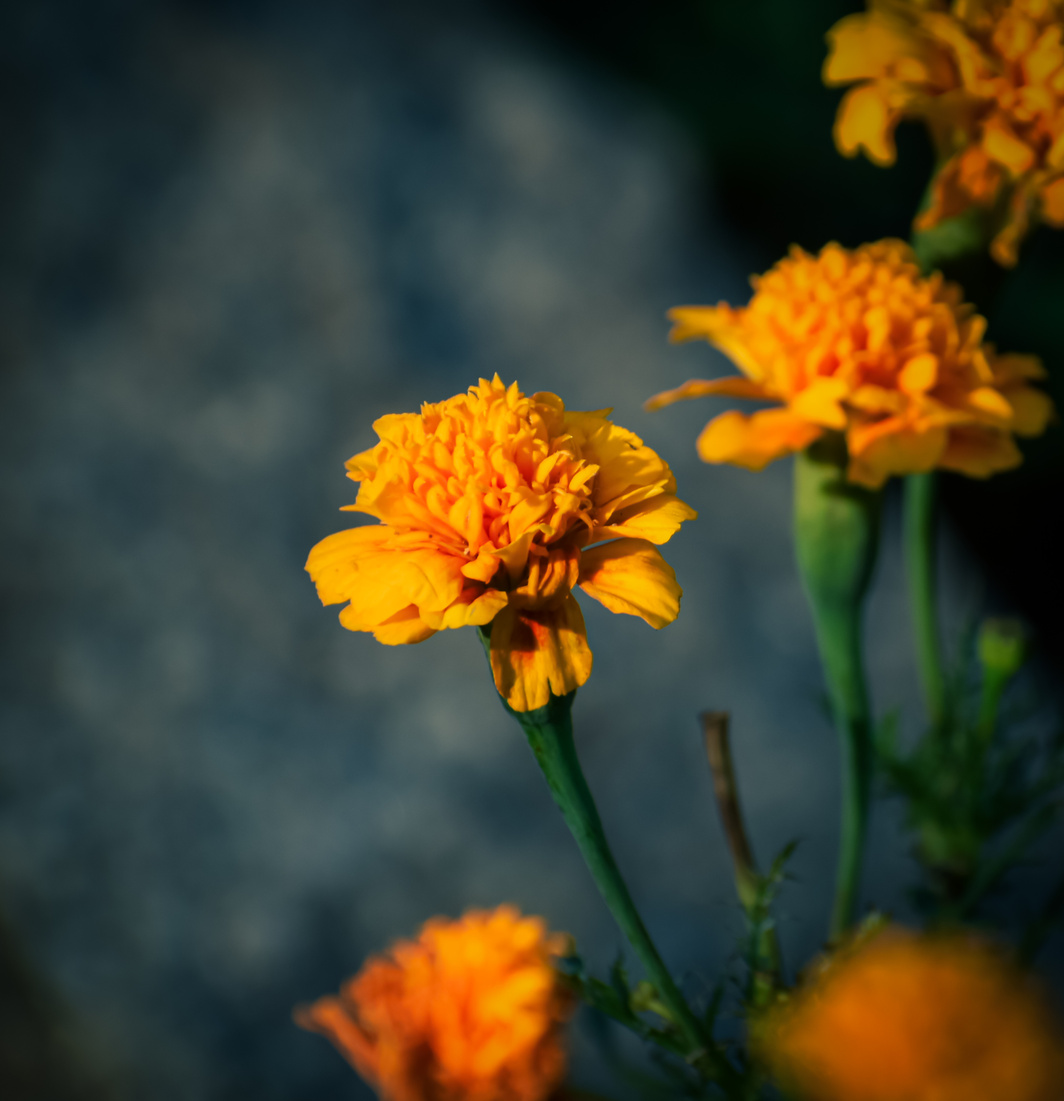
x: 859, y: 342
x: 489, y: 504
x: 470, y: 1011
x: 988, y: 78
x: 909, y: 1017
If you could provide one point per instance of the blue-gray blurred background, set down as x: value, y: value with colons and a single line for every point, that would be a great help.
x: 233, y: 235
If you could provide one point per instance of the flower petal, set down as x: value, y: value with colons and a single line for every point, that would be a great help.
x: 631, y: 577
x: 473, y: 610
x: 334, y: 562
x: 627, y: 467
x: 535, y: 654
x: 754, y: 441
x: 329, y: 1017
x: 893, y: 450
x: 819, y: 403
x: 734, y: 387
x: 1031, y: 410
x: 866, y: 120
x: 980, y: 452
x: 657, y: 519
x: 867, y: 46
x: 390, y: 580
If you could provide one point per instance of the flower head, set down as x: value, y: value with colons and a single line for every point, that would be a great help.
x: 470, y: 1011
x: 489, y: 504
x: 988, y: 78
x: 907, y: 1017
x: 859, y: 342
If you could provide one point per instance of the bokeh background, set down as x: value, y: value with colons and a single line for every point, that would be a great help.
x: 235, y: 233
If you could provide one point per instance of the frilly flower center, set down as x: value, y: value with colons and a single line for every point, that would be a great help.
x: 485, y: 472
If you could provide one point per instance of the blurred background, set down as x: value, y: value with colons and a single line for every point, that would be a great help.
x: 234, y: 234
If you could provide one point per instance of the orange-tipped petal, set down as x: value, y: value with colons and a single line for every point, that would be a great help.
x: 630, y: 576
x: 537, y: 654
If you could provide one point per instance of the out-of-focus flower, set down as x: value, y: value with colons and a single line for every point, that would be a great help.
x: 859, y: 342
x: 489, y: 504
x: 907, y: 1017
x: 470, y: 1011
x: 987, y: 77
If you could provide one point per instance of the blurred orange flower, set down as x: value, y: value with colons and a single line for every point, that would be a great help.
x: 859, y: 342
x: 909, y: 1017
x: 987, y: 77
x: 470, y: 1011
x: 490, y: 503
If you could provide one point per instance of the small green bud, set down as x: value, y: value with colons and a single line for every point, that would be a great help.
x: 645, y: 999
x: 1002, y: 647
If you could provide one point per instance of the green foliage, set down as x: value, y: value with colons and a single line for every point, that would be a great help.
x: 641, y: 1010
x: 978, y: 792
x: 760, y: 948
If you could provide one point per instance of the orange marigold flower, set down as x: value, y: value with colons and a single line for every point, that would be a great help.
x: 859, y: 342
x: 907, y: 1017
x: 490, y: 503
x: 470, y: 1011
x: 988, y: 78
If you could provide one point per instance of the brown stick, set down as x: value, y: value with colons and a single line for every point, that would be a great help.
x: 726, y: 789
x: 718, y: 750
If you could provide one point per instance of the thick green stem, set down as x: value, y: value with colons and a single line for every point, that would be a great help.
x: 549, y: 731
x: 836, y: 526
x: 920, y: 544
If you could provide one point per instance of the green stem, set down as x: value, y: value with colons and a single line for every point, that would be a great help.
x: 920, y: 543
x: 836, y: 534
x: 549, y: 731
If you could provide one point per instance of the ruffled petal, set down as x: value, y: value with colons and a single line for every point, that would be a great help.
x: 867, y: 120
x: 656, y: 520
x: 980, y: 452
x: 473, y: 610
x: 880, y: 450
x: 754, y: 441
x: 1052, y: 198
x: 328, y: 1017
x: 820, y: 401
x: 734, y: 387
x: 402, y: 629
x: 535, y: 654
x: 627, y: 467
x: 868, y: 46
x: 722, y: 326
x: 392, y: 580
x: 630, y: 576
x: 1031, y: 410
x: 334, y: 562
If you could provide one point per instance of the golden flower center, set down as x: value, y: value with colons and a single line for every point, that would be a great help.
x: 866, y: 318
x: 481, y: 472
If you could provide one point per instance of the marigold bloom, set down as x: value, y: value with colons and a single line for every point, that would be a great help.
x: 490, y: 503
x: 859, y: 342
x: 470, y: 1011
x: 988, y: 78
x: 909, y: 1017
